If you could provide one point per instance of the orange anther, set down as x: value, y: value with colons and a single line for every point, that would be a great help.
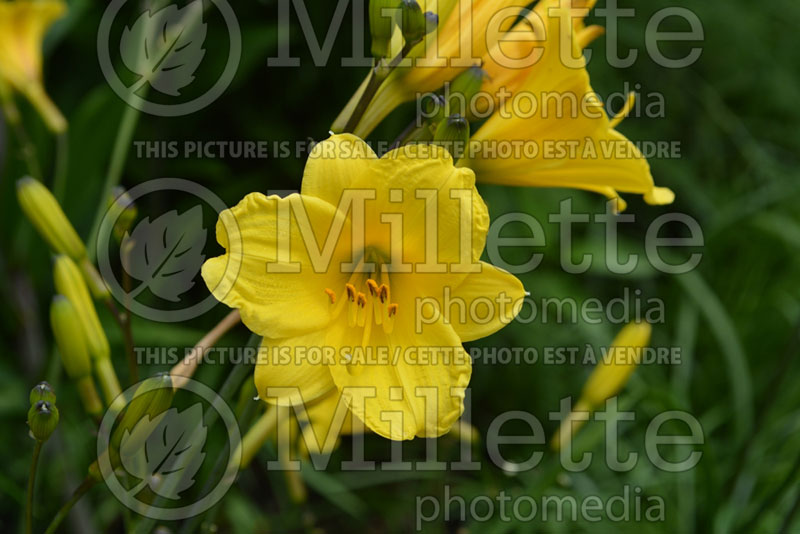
x: 351, y: 292
x: 373, y: 287
x: 361, y: 299
x: 392, y: 310
x: 331, y: 295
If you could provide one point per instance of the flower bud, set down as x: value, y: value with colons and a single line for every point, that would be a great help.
x: 43, y: 391
x: 616, y: 367
x: 46, y: 215
x: 42, y: 420
x: 70, y: 283
x: 462, y: 90
x: 69, y: 337
x: 414, y: 23
x: 122, y: 210
x: 453, y: 134
x: 382, y: 21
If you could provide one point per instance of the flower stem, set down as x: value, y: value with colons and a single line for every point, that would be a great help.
x: 87, y: 484
x: 184, y: 369
x: 123, y: 320
x: 378, y: 74
x: 119, y: 154
x: 31, y: 479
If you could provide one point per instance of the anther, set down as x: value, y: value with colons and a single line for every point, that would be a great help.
x: 331, y: 295
x: 373, y: 287
x: 351, y: 292
x: 383, y: 293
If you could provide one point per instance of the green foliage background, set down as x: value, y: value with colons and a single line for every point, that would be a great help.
x: 734, y: 318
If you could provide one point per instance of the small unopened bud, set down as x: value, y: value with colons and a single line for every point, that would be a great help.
x: 462, y: 90
x: 453, y: 134
x: 42, y: 391
x: 70, y: 282
x: 122, y: 210
x: 42, y: 420
x: 69, y: 337
x: 46, y: 215
x: 414, y: 22
x: 383, y: 15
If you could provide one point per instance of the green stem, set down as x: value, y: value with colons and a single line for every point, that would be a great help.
x: 87, y: 484
x: 61, y: 166
x: 119, y: 154
x: 31, y: 479
x: 378, y: 74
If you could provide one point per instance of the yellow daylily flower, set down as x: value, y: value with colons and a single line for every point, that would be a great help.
x: 23, y: 24
x: 415, y: 237
x: 561, y: 132
x: 610, y: 375
x: 466, y: 29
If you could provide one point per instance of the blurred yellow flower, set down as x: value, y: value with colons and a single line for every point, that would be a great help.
x: 608, y: 378
x: 466, y: 29
x: 417, y: 235
x: 23, y: 24
x: 549, y: 129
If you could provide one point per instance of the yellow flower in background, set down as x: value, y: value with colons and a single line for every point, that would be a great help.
x: 359, y: 307
x: 466, y: 29
x: 553, y: 116
x: 608, y: 378
x: 23, y: 24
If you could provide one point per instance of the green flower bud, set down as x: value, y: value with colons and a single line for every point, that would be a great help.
x: 46, y: 215
x: 463, y: 89
x: 69, y: 338
x: 42, y: 420
x: 414, y: 23
x: 453, y: 134
x: 383, y: 15
x: 122, y: 209
x: 70, y: 283
x: 43, y: 391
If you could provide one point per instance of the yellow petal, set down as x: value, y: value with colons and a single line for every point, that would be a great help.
x: 324, y: 421
x: 412, y: 182
x: 258, y: 235
x: 484, y: 303
x: 411, y: 384
x: 296, y: 363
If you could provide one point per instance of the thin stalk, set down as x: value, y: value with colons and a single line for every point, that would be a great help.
x: 380, y: 71
x: 119, y: 154
x: 123, y: 320
x: 87, y: 484
x: 31, y: 479
x: 60, y: 166
x: 184, y: 369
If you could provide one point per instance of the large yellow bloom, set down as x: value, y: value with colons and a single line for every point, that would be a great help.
x: 552, y: 131
x: 339, y: 290
x: 23, y: 24
x: 466, y: 29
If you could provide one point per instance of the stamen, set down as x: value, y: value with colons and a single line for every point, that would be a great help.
x: 393, y: 309
x: 331, y: 295
x: 383, y: 293
x: 373, y: 287
x: 351, y: 292
x: 361, y: 302
x: 388, y: 323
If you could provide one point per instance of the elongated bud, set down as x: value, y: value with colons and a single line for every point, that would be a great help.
x: 42, y: 420
x: 616, y: 367
x: 42, y: 391
x: 70, y: 283
x: 46, y: 215
x: 462, y: 91
x: 383, y: 15
x: 70, y: 338
x: 609, y: 377
x: 71, y: 343
x: 414, y: 23
x: 453, y: 134
x: 122, y: 210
